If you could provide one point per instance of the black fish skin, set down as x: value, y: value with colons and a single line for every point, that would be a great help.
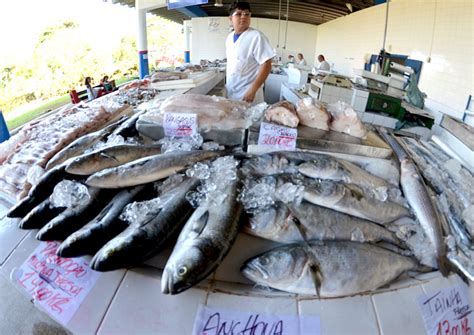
x: 40, y: 215
x: 141, y: 240
x: 105, y: 226
x: 40, y: 191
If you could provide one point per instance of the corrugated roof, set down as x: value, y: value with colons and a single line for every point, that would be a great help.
x: 312, y: 11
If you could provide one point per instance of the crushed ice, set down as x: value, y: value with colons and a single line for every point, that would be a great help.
x: 69, y: 194
x: 140, y: 210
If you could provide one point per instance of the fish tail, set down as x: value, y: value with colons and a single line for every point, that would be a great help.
x: 400, y: 152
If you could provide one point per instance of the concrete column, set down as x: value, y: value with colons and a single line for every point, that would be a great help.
x: 142, y: 44
x: 187, y: 41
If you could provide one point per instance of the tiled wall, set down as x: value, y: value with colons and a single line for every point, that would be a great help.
x: 208, y: 42
x: 439, y: 33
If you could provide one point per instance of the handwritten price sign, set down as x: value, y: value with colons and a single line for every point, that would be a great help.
x: 277, y: 137
x: 180, y: 124
x: 447, y: 312
x: 57, y: 284
x: 214, y: 321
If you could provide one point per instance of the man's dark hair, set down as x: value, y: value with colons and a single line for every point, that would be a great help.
x: 242, y: 5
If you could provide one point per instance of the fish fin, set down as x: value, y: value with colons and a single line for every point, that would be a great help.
x: 200, y: 223
x: 315, y: 271
x: 102, y: 154
x: 443, y: 265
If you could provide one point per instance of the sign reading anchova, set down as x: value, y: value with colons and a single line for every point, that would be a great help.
x: 447, y: 311
x: 277, y: 137
x: 180, y: 124
x: 219, y: 321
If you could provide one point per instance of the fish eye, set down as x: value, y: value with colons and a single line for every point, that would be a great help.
x: 264, y: 260
x: 182, y: 271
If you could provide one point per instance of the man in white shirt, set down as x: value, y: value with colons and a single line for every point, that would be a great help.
x: 249, y: 57
x: 323, y: 64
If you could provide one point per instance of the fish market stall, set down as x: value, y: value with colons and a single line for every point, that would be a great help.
x: 182, y: 217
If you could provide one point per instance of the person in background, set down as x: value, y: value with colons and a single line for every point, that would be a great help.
x: 291, y: 59
x: 249, y: 57
x: 108, y: 87
x: 323, y: 64
x: 92, y: 92
x: 301, y: 60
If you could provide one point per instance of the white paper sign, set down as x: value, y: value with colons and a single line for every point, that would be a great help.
x: 180, y: 124
x: 58, y: 285
x: 447, y: 311
x: 277, y: 137
x: 213, y: 321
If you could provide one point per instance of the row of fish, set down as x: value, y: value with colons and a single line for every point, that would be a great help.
x: 342, y: 207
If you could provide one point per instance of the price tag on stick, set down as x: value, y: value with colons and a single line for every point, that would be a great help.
x: 277, y: 137
x: 180, y: 124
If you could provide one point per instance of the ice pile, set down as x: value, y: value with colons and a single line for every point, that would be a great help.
x: 259, y: 194
x: 215, y: 177
x: 69, y: 194
x: 188, y: 143
x: 140, y: 211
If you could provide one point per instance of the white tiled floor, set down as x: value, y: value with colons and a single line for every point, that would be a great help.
x: 354, y: 315
x: 398, y: 313
x: 139, y: 307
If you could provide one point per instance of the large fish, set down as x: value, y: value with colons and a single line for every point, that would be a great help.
x: 148, y: 169
x: 349, y: 200
x: 142, y: 239
x: 329, y: 168
x: 40, y: 215
x: 109, y: 157
x: 40, y: 191
x: 128, y: 127
x: 203, y: 243
x: 417, y: 196
x: 105, y: 226
x: 304, y: 222
x: 73, y: 217
x: 78, y: 146
x: 343, y: 268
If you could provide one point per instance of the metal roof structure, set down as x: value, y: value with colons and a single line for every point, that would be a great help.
x: 309, y: 11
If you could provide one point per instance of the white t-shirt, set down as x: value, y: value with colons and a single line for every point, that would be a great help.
x: 324, y: 66
x: 302, y: 62
x: 244, y: 58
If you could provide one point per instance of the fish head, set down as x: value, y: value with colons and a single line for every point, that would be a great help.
x: 320, y: 167
x: 184, y: 270
x: 269, y: 222
x: 70, y: 246
x: 276, y: 266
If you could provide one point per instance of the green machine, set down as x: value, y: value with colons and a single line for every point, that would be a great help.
x: 386, y: 104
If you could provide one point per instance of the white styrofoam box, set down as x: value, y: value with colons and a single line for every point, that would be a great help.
x: 329, y: 89
x: 140, y: 307
x: 360, y: 104
x: 326, y: 98
x: 378, y: 120
x: 397, y: 311
x: 390, y: 122
x: 359, y: 314
x: 347, y: 93
x: 368, y: 117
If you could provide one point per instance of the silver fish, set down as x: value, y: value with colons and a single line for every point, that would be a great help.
x: 142, y: 239
x: 297, y: 223
x: 417, y: 196
x: 109, y: 157
x: 203, y: 243
x: 148, y: 169
x: 347, y: 199
x: 341, y: 171
x: 346, y: 268
x: 78, y: 146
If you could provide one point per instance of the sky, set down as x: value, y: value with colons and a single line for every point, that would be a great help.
x: 21, y: 22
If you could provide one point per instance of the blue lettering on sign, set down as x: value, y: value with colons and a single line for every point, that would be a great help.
x: 215, y: 325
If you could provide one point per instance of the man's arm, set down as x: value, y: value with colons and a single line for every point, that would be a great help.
x: 263, y: 72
